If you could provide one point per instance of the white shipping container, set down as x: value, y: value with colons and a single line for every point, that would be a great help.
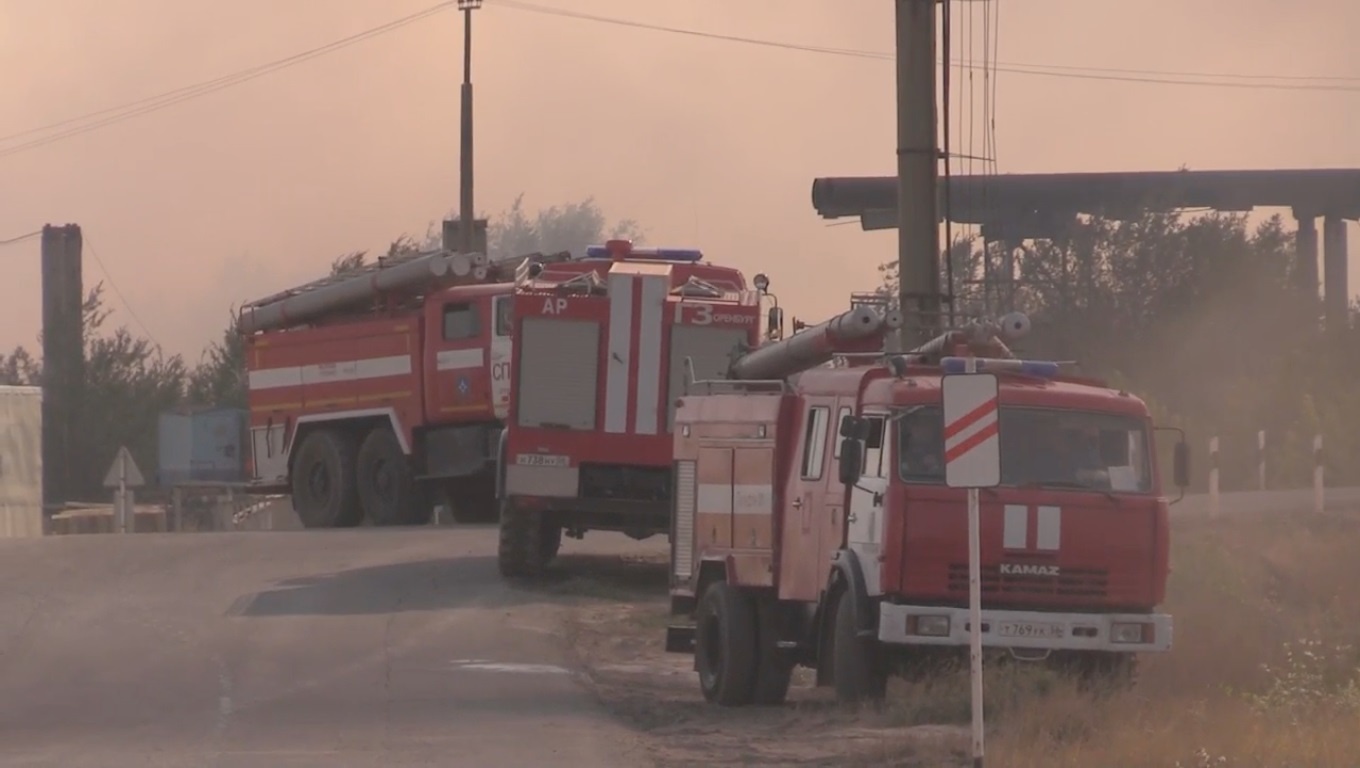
x: 21, y: 499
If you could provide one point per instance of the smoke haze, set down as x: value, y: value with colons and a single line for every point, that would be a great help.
x: 233, y: 195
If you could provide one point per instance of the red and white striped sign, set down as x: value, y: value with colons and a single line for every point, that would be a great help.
x: 972, y: 446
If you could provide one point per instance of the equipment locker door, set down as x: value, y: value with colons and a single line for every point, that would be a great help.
x: 802, y: 570
x: 457, y: 378
x: 866, y: 523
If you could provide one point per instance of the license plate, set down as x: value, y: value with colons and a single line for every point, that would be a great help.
x: 542, y: 460
x: 1029, y: 629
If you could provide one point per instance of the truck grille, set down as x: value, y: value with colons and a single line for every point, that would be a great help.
x: 1072, y: 582
x: 623, y: 482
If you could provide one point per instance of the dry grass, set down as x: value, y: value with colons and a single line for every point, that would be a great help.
x: 1263, y: 671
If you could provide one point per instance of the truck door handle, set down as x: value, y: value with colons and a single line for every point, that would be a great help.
x: 798, y: 503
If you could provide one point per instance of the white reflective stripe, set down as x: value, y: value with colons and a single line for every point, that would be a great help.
x: 654, y: 292
x: 714, y: 498
x: 455, y: 359
x: 1015, y: 534
x: 273, y: 378
x: 1049, y: 528
x: 741, y: 499
x: 618, y: 353
x: 329, y: 373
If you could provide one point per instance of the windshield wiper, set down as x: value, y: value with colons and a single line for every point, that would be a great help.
x: 1071, y: 484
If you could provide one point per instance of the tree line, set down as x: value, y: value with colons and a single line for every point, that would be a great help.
x: 1203, y: 317
x: 130, y: 381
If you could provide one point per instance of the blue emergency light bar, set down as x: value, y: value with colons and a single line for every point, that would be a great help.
x: 1039, y: 368
x: 690, y: 255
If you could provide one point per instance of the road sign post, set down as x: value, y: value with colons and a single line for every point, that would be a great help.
x: 123, y: 475
x: 972, y: 460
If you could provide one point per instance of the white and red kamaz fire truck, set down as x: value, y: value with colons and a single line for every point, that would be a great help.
x: 812, y: 525
x: 603, y: 346
x: 373, y: 394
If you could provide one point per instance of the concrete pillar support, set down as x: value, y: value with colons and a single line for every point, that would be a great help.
x: 1306, y: 250
x: 1335, y: 275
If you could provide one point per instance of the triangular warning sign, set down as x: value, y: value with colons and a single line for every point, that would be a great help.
x: 125, y: 469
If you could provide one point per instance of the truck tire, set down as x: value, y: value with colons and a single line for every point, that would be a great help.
x: 324, y: 489
x: 774, y: 666
x: 725, y: 645
x: 526, y: 545
x: 472, y: 500
x: 856, y: 669
x: 387, y: 488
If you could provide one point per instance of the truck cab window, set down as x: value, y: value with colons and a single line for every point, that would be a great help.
x: 841, y: 413
x: 814, y: 442
x: 504, y: 315
x: 461, y: 321
x: 920, y: 445
x: 1102, y: 451
x: 874, y: 448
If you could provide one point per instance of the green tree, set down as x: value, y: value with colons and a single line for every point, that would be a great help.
x: 1203, y: 317
x: 128, y: 384
x: 219, y: 379
x: 567, y: 227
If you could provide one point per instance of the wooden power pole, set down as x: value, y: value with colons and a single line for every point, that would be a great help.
x: 918, y: 234
x: 63, y: 361
x: 467, y: 223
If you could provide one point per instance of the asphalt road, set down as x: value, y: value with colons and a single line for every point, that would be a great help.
x: 365, y: 648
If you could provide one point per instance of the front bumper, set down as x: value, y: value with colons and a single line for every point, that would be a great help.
x: 1115, y: 632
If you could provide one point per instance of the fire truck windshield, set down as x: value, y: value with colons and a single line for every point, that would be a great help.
x: 1039, y: 447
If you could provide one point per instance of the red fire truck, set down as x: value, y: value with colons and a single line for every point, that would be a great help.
x: 375, y: 393
x: 602, y: 347
x: 812, y: 525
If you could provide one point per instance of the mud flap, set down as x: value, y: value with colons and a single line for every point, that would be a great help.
x: 680, y: 639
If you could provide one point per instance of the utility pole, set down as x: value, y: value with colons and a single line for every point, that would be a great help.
x: 466, y: 215
x: 918, y: 234
x: 63, y: 363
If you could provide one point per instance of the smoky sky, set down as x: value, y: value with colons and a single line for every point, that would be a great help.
x: 708, y: 143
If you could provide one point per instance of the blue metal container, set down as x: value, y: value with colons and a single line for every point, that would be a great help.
x: 201, y: 445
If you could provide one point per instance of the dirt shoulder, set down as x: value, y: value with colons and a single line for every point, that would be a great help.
x: 617, y: 630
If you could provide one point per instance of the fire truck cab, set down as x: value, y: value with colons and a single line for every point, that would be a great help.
x: 603, y: 346
x: 813, y: 527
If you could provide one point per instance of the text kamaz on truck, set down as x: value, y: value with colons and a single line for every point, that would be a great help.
x: 602, y: 348
x: 813, y: 526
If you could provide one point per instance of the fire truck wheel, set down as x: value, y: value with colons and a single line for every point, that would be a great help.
x: 856, y: 669
x: 774, y: 666
x: 525, y: 547
x: 386, y: 488
x: 324, y: 488
x: 725, y: 645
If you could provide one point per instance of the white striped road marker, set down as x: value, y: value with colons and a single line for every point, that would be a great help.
x: 972, y: 445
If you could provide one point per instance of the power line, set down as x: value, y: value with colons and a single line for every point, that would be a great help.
x: 113, y: 115
x: 127, y: 306
x: 21, y: 238
x: 1159, y: 77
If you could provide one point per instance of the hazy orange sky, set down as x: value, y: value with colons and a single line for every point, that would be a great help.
x: 238, y: 193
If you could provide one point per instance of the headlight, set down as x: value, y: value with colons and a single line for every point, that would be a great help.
x: 1129, y: 632
x: 930, y: 626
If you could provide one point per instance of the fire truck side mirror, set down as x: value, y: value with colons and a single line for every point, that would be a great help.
x: 851, y: 461
x: 774, y: 324
x: 1180, y: 462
